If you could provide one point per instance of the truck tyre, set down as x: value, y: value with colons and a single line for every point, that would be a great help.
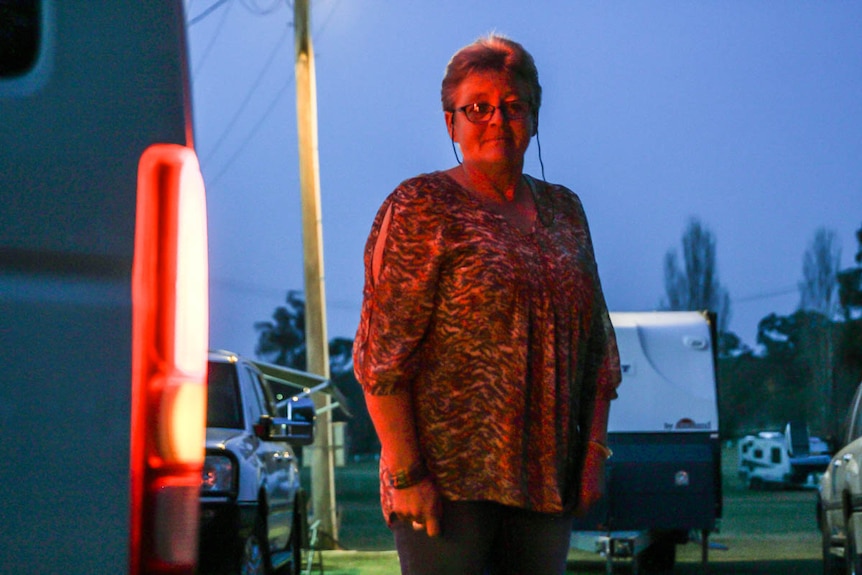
x: 658, y: 557
x: 294, y: 545
x: 253, y: 558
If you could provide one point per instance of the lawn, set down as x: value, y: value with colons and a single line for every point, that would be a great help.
x: 756, y: 526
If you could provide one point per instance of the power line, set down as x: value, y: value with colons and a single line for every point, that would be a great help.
x: 251, y: 92
x: 206, y: 12
x: 248, y: 288
x: 251, y: 6
x: 253, y: 131
x: 766, y: 295
x: 326, y: 20
x: 248, y: 96
x: 212, y: 41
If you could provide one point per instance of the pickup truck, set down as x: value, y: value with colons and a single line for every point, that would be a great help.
x: 253, y: 512
x: 839, y: 506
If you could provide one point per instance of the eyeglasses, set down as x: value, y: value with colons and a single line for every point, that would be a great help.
x: 482, y: 112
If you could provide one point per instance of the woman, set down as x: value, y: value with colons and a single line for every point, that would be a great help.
x: 484, y: 347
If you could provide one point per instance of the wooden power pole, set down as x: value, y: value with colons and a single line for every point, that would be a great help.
x: 322, y: 461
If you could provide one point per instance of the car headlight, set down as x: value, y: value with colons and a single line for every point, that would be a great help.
x: 217, y: 475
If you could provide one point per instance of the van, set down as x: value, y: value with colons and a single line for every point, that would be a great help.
x: 103, y: 290
x: 664, y: 477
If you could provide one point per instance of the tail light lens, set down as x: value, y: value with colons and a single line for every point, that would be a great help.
x: 169, y: 360
x: 218, y: 476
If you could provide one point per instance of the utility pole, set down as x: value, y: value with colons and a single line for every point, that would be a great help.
x: 322, y: 460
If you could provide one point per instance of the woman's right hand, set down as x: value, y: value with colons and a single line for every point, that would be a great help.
x: 393, y: 419
x: 419, y: 504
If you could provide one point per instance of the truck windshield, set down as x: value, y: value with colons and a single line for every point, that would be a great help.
x: 223, y: 404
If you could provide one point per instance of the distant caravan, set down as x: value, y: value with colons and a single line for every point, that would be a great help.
x: 776, y: 460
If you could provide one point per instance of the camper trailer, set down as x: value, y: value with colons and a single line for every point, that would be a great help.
x: 664, y: 478
x: 772, y: 459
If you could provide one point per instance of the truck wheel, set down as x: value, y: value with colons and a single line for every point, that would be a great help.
x: 253, y: 560
x: 295, y: 544
x: 658, y: 557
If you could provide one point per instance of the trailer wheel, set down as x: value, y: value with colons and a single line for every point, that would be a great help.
x: 756, y: 484
x: 658, y: 557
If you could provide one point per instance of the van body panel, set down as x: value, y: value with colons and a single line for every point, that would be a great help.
x: 109, y: 81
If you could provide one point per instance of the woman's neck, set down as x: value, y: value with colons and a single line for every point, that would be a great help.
x: 502, y: 185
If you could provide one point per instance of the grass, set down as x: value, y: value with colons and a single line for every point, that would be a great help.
x: 778, y: 526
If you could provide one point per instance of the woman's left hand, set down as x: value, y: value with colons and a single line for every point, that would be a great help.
x: 592, y: 480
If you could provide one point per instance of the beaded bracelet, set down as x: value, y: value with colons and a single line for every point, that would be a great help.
x: 604, y: 448
x: 404, y: 478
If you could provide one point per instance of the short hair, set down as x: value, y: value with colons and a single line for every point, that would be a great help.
x: 491, y: 53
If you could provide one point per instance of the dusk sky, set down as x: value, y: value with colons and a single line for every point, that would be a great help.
x: 744, y: 114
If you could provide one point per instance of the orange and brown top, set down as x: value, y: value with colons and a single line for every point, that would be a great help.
x: 503, y: 338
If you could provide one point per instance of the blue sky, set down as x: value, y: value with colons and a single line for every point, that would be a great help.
x: 744, y: 114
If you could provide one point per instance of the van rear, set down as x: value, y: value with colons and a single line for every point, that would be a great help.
x: 103, y: 290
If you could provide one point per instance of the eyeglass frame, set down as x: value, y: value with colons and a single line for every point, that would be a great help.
x: 502, y: 107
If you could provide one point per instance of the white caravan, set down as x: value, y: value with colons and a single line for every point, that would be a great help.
x: 775, y: 459
x: 664, y: 478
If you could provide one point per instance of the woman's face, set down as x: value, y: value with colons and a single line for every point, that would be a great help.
x: 499, y: 140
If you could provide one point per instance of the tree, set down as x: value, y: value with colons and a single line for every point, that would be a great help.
x: 850, y: 285
x: 282, y: 340
x: 799, y: 359
x: 818, y: 288
x: 695, y: 285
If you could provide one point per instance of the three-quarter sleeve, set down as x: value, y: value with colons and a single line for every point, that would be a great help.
x: 398, y: 303
x: 470, y: 316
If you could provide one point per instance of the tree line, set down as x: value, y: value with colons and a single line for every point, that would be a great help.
x: 808, y: 363
x: 806, y: 367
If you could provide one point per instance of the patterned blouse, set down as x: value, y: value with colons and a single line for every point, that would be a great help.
x: 502, y: 337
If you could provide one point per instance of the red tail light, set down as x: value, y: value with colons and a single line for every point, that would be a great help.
x: 169, y: 360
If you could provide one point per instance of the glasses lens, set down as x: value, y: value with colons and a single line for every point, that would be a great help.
x: 480, y: 112
x: 516, y: 110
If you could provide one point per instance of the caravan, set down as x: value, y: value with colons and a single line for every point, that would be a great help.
x: 775, y: 459
x: 664, y: 479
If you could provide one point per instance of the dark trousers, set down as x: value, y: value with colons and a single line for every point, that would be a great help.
x: 483, y: 538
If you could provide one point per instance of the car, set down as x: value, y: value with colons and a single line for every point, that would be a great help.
x: 252, y: 505
x: 839, y: 506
